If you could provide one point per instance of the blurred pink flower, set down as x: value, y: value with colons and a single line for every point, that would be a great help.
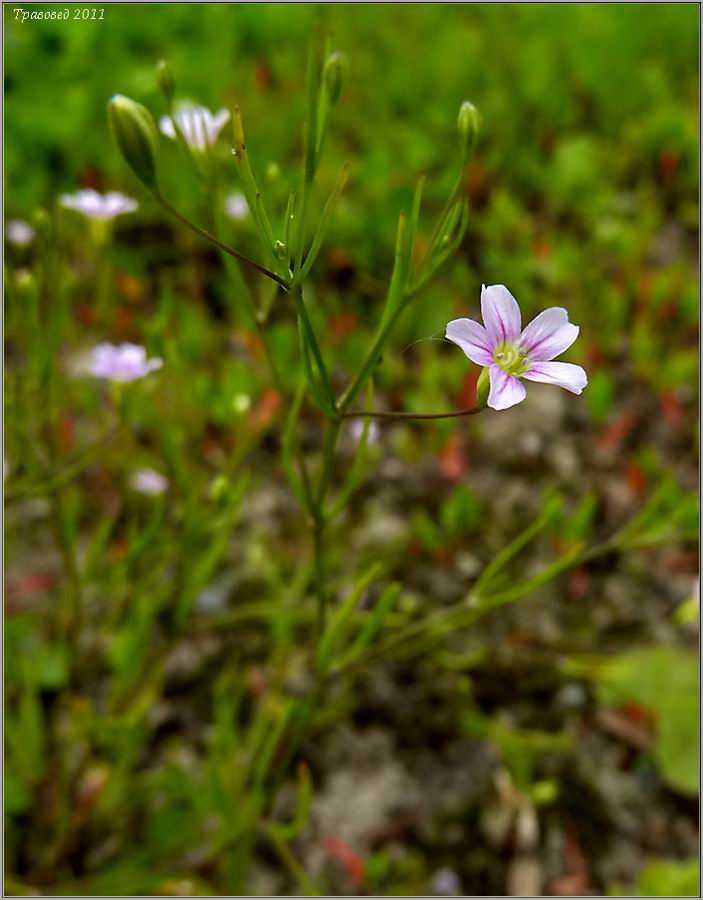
x: 99, y: 206
x: 148, y: 481
x: 511, y: 354
x: 199, y: 126
x: 122, y: 363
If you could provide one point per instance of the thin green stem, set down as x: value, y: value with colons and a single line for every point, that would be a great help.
x: 319, y: 575
x: 451, y: 200
x: 366, y: 367
x: 462, y: 615
x: 360, y: 413
x: 297, y: 294
x: 217, y: 243
x: 320, y: 519
x: 328, y: 448
x: 295, y: 869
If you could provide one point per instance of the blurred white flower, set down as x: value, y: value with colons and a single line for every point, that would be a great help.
x: 19, y: 233
x: 357, y: 430
x: 122, y: 364
x: 236, y: 206
x: 445, y: 883
x: 99, y: 206
x: 148, y: 481
x: 197, y: 124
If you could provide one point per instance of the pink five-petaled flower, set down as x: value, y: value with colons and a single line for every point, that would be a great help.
x: 122, y: 363
x: 197, y: 124
x: 512, y: 353
x: 99, y: 206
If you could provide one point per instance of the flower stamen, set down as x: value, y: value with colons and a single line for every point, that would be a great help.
x: 511, y: 358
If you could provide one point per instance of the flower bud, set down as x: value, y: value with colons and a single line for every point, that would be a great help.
x: 166, y: 80
x: 335, y: 74
x: 467, y: 125
x: 135, y: 132
x: 483, y: 386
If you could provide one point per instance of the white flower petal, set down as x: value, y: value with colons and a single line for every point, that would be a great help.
x: 505, y: 391
x: 19, y: 232
x: 148, y: 481
x: 501, y: 313
x: 99, y: 206
x: 236, y: 206
x: 199, y: 127
x: 565, y: 375
x: 549, y: 334
x: 473, y: 340
x: 167, y: 128
x: 217, y: 123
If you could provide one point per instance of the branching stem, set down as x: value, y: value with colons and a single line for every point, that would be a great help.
x: 217, y: 243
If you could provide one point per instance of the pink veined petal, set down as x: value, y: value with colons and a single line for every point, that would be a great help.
x: 473, y: 340
x: 565, y: 375
x: 549, y: 334
x: 501, y: 313
x: 505, y: 391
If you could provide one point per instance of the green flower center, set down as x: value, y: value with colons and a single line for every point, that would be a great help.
x: 511, y: 358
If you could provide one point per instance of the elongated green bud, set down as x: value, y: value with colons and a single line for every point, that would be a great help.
x: 334, y: 75
x: 483, y: 386
x: 135, y: 132
x: 467, y: 125
x: 166, y: 80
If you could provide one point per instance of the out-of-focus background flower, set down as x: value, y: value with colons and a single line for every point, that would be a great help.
x: 550, y: 749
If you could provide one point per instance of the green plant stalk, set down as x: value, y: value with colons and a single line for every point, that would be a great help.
x: 70, y: 610
x: 465, y: 615
x: 399, y: 295
x: 451, y: 200
x: 300, y: 485
x: 251, y: 191
x: 312, y: 91
x: 257, y: 316
x: 297, y: 294
x: 320, y: 523
x: 323, y: 225
x: 515, y: 546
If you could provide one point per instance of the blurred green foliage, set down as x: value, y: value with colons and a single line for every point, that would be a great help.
x: 665, y: 681
x: 664, y: 878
